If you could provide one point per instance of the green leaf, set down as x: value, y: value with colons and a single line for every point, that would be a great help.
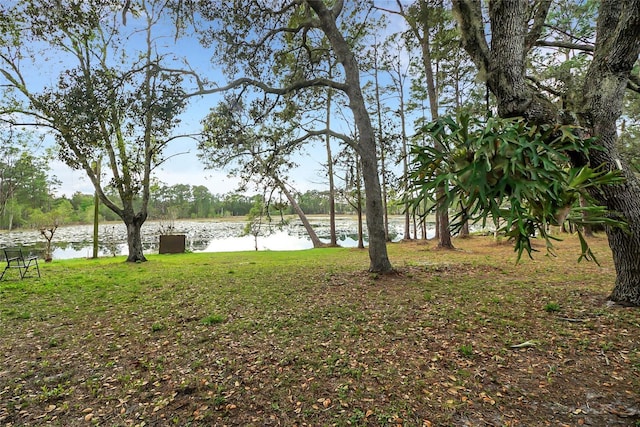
x: 505, y: 170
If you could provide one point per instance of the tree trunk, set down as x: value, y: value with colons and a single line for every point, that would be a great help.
x: 96, y: 216
x: 404, y: 148
x: 317, y: 243
x: 360, y: 231
x: 366, y: 147
x: 464, y: 230
x: 359, y: 205
x: 134, y: 238
x: 587, y: 230
x: 333, y: 240
x: 444, y: 239
x: 383, y: 152
x: 443, y: 232
x: 616, y: 50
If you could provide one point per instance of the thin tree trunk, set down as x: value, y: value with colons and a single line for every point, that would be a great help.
x: 96, y: 214
x: 404, y: 153
x: 383, y: 153
x: 317, y: 243
x: 359, y: 204
x: 333, y: 240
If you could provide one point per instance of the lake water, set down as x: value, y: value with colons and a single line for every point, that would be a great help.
x: 201, y: 236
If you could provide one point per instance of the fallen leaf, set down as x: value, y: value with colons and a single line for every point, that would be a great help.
x: 530, y: 343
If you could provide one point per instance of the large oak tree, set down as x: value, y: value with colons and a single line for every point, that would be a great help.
x: 516, y: 27
x: 113, y: 98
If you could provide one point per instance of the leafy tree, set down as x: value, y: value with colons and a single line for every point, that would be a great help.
x: 516, y: 28
x: 236, y: 204
x: 260, y: 151
x: 24, y: 179
x: 116, y: 101
x: 203, y: 205
x: 423, y: 18
x: 399, y: 79
x: 262, y: 29
x: 255, y: 218
x: 352, y: 189
x: 378, y: 109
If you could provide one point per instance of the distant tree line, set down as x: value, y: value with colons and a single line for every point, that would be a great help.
x: 28, y: 200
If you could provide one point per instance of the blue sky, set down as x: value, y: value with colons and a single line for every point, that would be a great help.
x: 184, y: 167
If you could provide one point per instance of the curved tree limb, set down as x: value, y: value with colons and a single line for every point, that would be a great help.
x: 469, y: 16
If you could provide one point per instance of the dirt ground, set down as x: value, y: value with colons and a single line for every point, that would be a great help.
x: 463, y: 338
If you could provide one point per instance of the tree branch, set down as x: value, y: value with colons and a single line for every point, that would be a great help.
x: 469, y: 17
x: 634, y: 83
x: 246, y: 81
x: 324, y: 132
x: 539, y: 16
x: 337, y: 8
x: 564, y: 45
x: 393, y: 12
x: 543, y: 87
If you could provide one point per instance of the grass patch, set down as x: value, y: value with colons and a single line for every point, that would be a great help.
x: 310, y: 337
x: 213, y: 319
x: 552, y: 307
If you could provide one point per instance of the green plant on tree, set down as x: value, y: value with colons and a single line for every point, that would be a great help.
x: 511, y: 173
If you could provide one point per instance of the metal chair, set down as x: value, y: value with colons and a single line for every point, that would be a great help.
x: 15, y: 259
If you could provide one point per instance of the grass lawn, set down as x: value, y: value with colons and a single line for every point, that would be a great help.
x: 453, y: 338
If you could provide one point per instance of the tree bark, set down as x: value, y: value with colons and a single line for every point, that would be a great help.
x: 359, y: 205
x: 317, y: 243
x: 333, y: 240
x: 617, y: 49
x: 134, y: 237
x: 587, y: 230
x: 443, y: 232
x: 366, y: 147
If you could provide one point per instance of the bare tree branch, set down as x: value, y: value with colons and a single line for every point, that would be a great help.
x: 539, y: 16
x: 324, y: 132
x: 544, y: 87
